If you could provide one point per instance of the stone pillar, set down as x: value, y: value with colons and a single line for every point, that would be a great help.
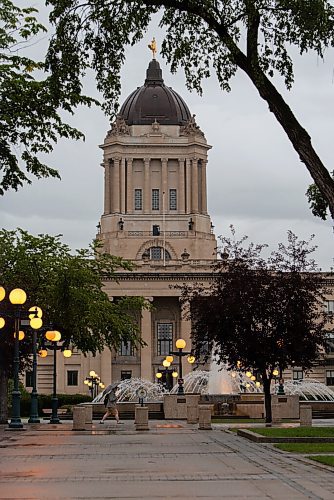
x: 141, y: 418
x: 204, y: 188
x: 164, y: 185
x: 181, y: 191
x: 305, y: 413
x: 147, y: 187
x: 115, y: 182
x: 188, y: 186
x: 107, y: 200
x: 146, y: 351
x: 276, y: 415
x: 89, y: 414
x: 123, y: 191
x: 129, y: 188
x: 106, y: 366
x: 194, y: 185
x: 79, y: 418
x: 204, y: 417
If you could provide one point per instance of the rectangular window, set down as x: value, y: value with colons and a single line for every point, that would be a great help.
x: 155, y: 199
x: 126, y: 374
x: 72, y: 377
x: 138, y: 199
x: 156, y: 253
x: 165, y: 338
x: 29, y: 379
x: 298, y: 374
x: 126, y: 349
x: 329, y: 306
x: 172, y: 199
x: 329, y: 377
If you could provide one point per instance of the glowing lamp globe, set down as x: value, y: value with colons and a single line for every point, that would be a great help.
x: 67, y: 353
x: 92, y: 373
x: 247, y: 385
x: 170, y: 359
x: 50, y: 335
x: 158, y: 375
x: 21, y: 335
x: 102, y: 385
x: 175, y: 374
x: 35, y: 312
x: 253, y: 377
x: 191, y: 359
x: 43, y: 353
x: 36, y: 323
x: 17, y: 296
x: 90, y: 384
x: 86, y: 382
x: 248, y: 374
x: 275, y: 373
x: 180, y: 344
x: 2, y: 322
x: 2, y: 293
x: 166, y: 363
x: 57, y: 336
x: 257, y: 384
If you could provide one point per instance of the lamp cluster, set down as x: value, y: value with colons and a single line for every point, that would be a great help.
x: 180, y: 344
x: 94, y: 382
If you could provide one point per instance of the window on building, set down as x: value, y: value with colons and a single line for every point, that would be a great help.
x: 72, y: 377
x: 156, y: 253
x: 126, y: 374
x: 155, y: 199
x: 138, y: 199
x: 298, y: 374
x: 164, y: 338
x: 126, y: 349
x: 172, y: 199
x: 330, y: 343
x: 330, y: 377
x: 329, y: 306
x: 29, y: 381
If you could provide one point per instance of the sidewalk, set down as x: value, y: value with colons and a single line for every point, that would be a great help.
x: 172, y: 460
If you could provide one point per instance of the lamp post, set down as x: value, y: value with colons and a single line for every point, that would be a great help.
x: 93, y: 382
x: 35, y: 315
x: 180, y: 345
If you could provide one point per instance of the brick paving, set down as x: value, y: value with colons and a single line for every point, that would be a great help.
x: 53, y: 462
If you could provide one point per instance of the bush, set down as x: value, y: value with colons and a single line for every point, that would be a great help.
x: 44, y: 401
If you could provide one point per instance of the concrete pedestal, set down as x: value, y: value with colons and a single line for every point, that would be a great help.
x: 204, y: 417
x: 79, y: 418
x: 192, y: 414
x: 89, y: 415
x: 305, y: 415
x: 141, y: 418
x: 175, y: 405
x: 276, y: 413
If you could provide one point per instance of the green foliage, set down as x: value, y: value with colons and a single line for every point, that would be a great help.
x: 306, y: 447
x: 30, y: 123
x: 44, y: 401
x: 318, y: 204
x: 203, y: 37
x: 323, y: 459
x: 295, y: 431
x: 69, y: 289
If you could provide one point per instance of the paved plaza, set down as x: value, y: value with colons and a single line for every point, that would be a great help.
x: 172, y: 460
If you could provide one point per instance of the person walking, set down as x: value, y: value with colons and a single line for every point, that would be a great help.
x: 110, y: 402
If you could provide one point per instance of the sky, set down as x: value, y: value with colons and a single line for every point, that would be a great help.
x: 255, y: 178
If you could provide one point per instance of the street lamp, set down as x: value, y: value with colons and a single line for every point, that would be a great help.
x: 35, y: 315
x: 180, y: 345
x: 93, y: 382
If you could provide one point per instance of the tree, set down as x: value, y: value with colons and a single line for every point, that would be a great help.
x: 69, y: 289
x: 259, y: 314
x: 29, y: 102
x: 318, y: 204
x: 221, y: 35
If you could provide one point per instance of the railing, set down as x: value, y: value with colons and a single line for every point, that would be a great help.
x: 169, y: 234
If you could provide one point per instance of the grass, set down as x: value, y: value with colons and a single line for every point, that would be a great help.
x: 323, y: 459
x: 295, y: 431
x: 237, y: 420
x: 306, y: 447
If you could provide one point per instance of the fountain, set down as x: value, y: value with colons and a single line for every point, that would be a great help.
x: 127, y: 391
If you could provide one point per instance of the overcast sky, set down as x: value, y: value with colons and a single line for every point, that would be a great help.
x: 255, y: 179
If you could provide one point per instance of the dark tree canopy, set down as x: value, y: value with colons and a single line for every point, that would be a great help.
x: 218, y: 36
x: 260, y: 313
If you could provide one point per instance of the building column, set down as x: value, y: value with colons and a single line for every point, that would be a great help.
x: 147, y: 186
x: 188, y: 186
x: 194, y: 185
x: 107, y: 200
x: 181, y: 193
x: 123, y: 192
x: 115, y: 182
x: 106, y: 366
x: 164, y: 182
x: 203, y: 187
x: 146, y: 351
x: 129, y: 187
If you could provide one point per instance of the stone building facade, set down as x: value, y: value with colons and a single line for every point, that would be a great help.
x: 155, y: 160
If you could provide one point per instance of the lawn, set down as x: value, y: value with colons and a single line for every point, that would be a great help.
x: 306, y: 447
x: 326, y: 460
x: 295, y: 431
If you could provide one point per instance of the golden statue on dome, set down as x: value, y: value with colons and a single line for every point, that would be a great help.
x: 153, y: 47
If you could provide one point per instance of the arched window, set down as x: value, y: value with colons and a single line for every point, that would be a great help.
x: 156, y: 253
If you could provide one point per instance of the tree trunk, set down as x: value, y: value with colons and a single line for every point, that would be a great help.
x: 267, y: 397
x: 3, y: 395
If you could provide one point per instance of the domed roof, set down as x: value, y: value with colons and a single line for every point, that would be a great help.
x: 154, y: 101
